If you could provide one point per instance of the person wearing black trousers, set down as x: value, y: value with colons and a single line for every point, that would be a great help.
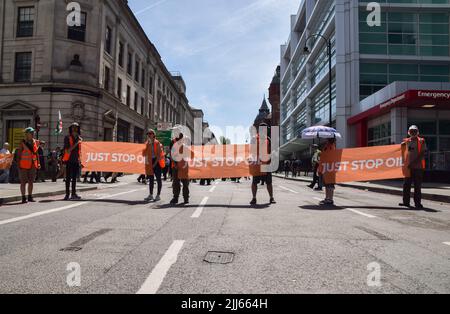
x: 72, y: 159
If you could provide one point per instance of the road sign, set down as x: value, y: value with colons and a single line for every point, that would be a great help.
x: 164, y: 126
x: 164, y: 137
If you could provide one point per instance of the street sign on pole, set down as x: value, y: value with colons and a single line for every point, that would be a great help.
x: 164, y: 126
x: 164, y: 137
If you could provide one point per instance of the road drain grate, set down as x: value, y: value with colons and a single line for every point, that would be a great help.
x: 71, y: 249
x: 215, y: 257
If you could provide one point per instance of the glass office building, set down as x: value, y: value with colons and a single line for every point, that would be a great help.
x: 384, y: 77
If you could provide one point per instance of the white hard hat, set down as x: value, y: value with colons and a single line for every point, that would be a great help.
x: 413, y: 127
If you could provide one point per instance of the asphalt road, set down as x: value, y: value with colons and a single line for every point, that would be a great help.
x: 366, y: 244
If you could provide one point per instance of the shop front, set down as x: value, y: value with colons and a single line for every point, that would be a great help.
x: 15, y: 117
x: 387, y: 123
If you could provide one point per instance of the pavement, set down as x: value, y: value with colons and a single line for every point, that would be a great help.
x: 113, y: 242
x: 430, y: 191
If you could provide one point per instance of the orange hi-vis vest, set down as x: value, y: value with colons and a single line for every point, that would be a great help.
x: 29, y: 158
x: 67, y: 152
x: 420, y: 142
x: 162, y: 160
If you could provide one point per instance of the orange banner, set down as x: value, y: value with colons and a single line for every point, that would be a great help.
x: 195, y: 162
x: 220, y: 161
x: 5, y: 161
x: 363, y: 164
x: 113, y: 157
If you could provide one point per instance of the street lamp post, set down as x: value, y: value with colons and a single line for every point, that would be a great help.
x: 330, y: 76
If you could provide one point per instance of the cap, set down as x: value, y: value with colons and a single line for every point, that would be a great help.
x: 413, y: 127
x: 29, y: 130
x: 75, y: 124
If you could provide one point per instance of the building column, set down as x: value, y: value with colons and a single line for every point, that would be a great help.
x: 399, y: 124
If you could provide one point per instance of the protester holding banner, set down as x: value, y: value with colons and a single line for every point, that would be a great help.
x: 28, y: 161
x: 177, y: 148
x: 415, y: 148
x: 329, y: 146
x: 155, y: 162
x: 265, y: 177
x: 72, y: 160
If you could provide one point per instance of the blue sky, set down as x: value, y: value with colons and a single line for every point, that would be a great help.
x: 226, y: 50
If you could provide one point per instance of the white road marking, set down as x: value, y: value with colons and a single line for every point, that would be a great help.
x: 54, y: 210
x: 360, y: 213
x: 446, y: 243
x: 217, y: 183
x: 156, y: 277
x: 212, y: 189
x: 285, y: 188
x: 199, y: 209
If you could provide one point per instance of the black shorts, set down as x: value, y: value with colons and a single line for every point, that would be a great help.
x: 266, y: 178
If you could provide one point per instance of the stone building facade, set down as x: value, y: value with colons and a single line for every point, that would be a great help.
x: 105, y: 74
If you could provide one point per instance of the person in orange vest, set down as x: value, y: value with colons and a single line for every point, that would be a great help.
x: 28, y: 162
x: 177, y: 147
x: 415, y: 148
x: 72, y: 159
x: 264, y: 177
x: 330, y: 144
x: 155, y: 162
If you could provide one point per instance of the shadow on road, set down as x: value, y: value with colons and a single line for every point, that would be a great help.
x: 322, y: 207
x: 131, y: 203
x: 261, y: 206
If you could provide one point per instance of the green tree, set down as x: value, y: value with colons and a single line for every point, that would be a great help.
x: 224, y: 141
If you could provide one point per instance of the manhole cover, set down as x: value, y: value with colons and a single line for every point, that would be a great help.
x: 219, y: 257
x: 71, y: 249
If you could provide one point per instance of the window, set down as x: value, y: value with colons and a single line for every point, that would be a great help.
x: 121, y: 50
x: 150, y: 85
x: 375, y: 76
x: 119, y: 88
x: 78, y: 32
x: 143, y: 78
x: 108, y: 39
x: 106, y: 78
x: 25, y: 22
x: 128, y: 95
x: 142, y: 105
x: 379, y: 135
x: 406, y: 33
x: 136, y: 71
x: 135, y: 101
x: 22, y: 71
x: 130, y: 63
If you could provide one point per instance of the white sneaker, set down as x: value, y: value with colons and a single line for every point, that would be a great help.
x: 157, y: 198
x: 149, y: 198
